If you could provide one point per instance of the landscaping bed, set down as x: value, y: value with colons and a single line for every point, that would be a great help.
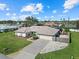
x: 9, y: 43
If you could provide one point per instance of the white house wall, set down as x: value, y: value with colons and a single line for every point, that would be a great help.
x: 18, y: 34
x: 45, y: 37
x: 23, y: 34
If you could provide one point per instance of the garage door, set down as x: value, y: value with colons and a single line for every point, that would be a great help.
x: 18, y: 34
x: 23, y: 34
x: 45, y: 37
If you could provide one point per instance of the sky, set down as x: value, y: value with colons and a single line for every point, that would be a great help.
x: 41, y: 9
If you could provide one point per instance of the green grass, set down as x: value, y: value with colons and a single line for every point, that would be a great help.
x: 71, y: 50
x: 13, y: 43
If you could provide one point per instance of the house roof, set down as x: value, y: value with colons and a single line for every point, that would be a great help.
x: 44, y: 30
x: 23, y: 29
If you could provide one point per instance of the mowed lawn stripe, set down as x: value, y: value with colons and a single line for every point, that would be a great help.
x: 9, y: 41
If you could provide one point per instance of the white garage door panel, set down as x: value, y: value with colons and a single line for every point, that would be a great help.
x: 23, y: 35
x: 45, y: 37
x: 18, y: 34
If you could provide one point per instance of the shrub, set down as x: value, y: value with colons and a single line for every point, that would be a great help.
x: 34, y: 36
x: 66, y: 30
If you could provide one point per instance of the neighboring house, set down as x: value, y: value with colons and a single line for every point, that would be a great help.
x: 6, y: 27
x: 70, y: 26
x: 43, y: 32
x: 74, y: 30
x: 51, y: 24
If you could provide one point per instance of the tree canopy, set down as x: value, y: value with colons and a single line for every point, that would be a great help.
x: 30, y: 20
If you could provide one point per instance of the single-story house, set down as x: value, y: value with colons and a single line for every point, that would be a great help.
x: 43, y: 32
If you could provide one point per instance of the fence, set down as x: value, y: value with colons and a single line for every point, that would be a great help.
x: 62, y: 38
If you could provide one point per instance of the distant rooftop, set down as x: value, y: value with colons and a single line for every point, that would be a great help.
x: 5, y: 26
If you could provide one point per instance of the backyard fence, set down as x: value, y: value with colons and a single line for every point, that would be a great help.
x: 64, y: 40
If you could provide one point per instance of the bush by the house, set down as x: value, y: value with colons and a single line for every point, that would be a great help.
x: 66, y: 30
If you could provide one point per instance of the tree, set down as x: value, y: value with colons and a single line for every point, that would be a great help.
x: 10, y: 22
x: 77, y: 24
x: 63, y: 22
x: 29, y: 21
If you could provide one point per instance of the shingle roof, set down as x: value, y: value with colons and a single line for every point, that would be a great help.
x: 23, y: 29
x: 44, y: 30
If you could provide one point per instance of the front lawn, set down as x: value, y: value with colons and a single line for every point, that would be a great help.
x: 9, y: 43
x: 71, y: 50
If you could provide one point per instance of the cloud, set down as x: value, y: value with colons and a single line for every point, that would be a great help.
x: 39, y: 7
x: 35, y: 12
x: 7, y: 9
x: 39, y: 18
x: 8, y: 14
x: 13, y: 17
x: 45, y: 17
x: 3, y: 6
x: 29, y: 8
x: 69, y: 4
x: 17, y: 17
x: 33, y: 8
x: 52, y: 16
x: 54, y: 11
x: 65, y: 11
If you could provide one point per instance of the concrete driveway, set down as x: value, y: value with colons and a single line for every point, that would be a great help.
x: 30, y: 51
x: 38, y: 46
